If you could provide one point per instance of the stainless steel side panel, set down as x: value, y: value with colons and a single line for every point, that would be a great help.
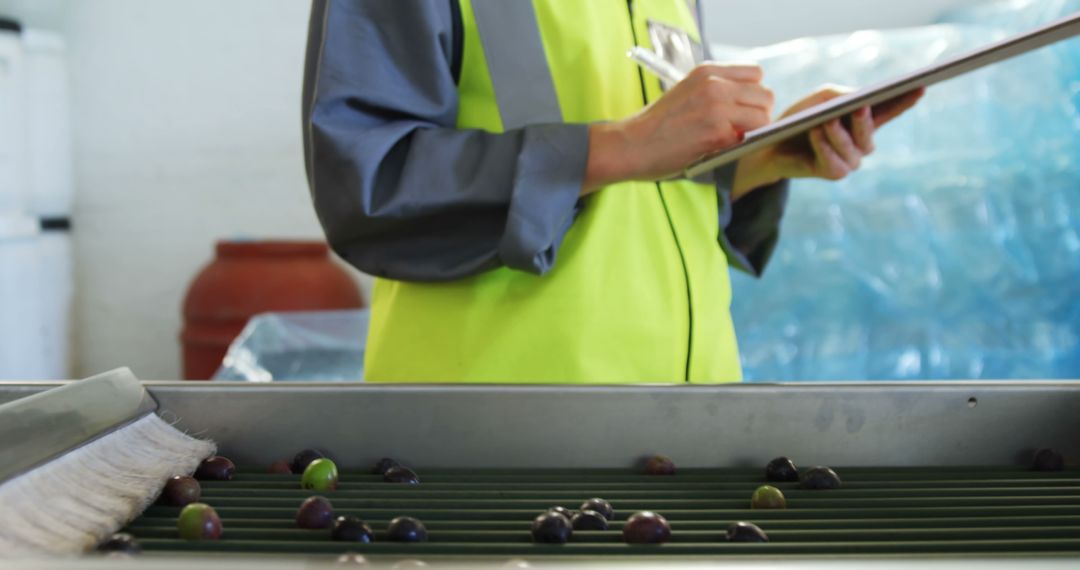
x: 548, y: 426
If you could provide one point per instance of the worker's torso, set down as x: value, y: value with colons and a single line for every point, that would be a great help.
x: 639, y: 291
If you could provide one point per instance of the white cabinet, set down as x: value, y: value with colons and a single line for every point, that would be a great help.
x: 21, y: 338
x: 14, y: 194
x: 48, y: 142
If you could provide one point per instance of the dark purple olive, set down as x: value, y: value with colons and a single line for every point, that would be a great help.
x: 818, y: 477
x: 589, y: 520
x: 646, y: 527
x: 746, y: 532
x: 406, y: 529
x: 304, y: 458
x: 280, y: 467
x: 351, y: 529
x: 121, y: 542
x: 562, y: 511
x: 215, y: 468
x: 351, y: 559
x: 660, y: 465
x: 315, y: 512
x: 1048, y: 460
x: 401, y: 474
x: 180, y: 491
x: 780, y: 470
x: 551, y: 528
x: 600, y: 506
x: 384, y: 465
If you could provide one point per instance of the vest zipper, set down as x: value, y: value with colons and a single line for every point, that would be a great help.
x: 667, y: 213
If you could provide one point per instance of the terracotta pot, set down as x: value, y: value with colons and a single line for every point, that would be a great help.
x: 251, y: 277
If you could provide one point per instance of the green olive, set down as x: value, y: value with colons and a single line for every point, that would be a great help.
x: 768, y: 497
x: 320, y: 475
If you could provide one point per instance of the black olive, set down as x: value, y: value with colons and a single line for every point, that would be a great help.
x: 304, y: 458
x: 818, y: 477
x: 351, y: 529
x: 401, y: 475
x: 562, y: 511
x: 746, y: 532
x: 384, y: 465
x: 406, y: 529
x: 780, y: 470
x: 551, y: 528
x: 589, y: 520
x: 599, y: 505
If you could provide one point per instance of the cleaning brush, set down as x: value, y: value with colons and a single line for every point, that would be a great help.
x: 80, y: 461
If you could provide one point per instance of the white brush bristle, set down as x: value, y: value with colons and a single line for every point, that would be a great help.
x: 70, y: 504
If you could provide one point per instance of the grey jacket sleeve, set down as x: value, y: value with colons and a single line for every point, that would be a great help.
x: 751, y: 226
x: 399, y: 191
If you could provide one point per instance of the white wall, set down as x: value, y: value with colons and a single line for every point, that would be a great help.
x: 186, y: 122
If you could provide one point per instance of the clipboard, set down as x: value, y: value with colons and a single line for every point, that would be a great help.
x: 807, y: 119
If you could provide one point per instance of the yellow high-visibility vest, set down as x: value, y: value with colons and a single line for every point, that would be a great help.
x: 640, y: 290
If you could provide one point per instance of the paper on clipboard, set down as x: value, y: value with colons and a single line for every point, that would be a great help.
x: 807, y: 119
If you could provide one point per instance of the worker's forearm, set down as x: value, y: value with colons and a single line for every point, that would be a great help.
x: 612, y: 160
x: 608, y: 160
x: 702, y: 114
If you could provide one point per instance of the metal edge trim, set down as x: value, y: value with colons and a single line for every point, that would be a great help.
x: 42, y: 427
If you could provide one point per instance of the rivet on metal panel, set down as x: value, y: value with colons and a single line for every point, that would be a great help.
x: 973, y: 401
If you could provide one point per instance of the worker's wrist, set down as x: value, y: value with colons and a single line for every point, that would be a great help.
x: 754, y: 171
x: 609, y: 158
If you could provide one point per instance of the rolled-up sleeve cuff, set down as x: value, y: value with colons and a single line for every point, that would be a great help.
x: 750, y: 228
x: 550, y: 172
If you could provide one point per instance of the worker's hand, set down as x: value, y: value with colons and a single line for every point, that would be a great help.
x: 704, y: 113
x: 831, y: 151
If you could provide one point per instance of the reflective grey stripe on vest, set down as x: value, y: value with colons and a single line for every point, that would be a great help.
x: 524, y: 90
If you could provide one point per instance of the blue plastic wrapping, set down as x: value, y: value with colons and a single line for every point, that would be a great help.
x: 955, y: 251
x: 322, y: 346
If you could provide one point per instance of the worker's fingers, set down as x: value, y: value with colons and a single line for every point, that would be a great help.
x: 825, y: 93
x: 720, y: 91
x: 893, y: 108
x: 829, y: 164
x: 746, y: 73
x: 862, y: 130
x: 842, y: 143
x: 754, y: 95
x: 745, y: 119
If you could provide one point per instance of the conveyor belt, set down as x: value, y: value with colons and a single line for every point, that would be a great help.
x: 487, y: 512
